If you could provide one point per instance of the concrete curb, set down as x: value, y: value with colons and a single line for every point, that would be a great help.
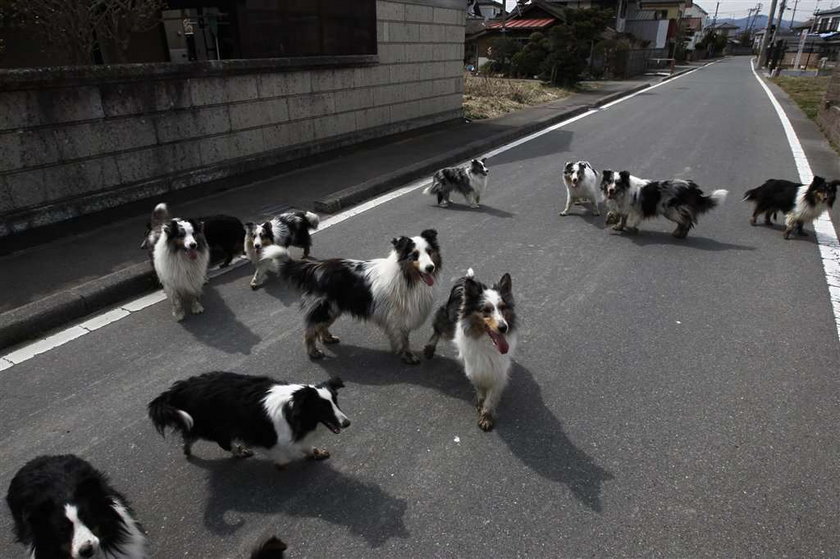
x: 27, y: 322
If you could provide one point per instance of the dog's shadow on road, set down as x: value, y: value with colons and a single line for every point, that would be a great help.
x: 526, y: 425
x: 219, y: 327
x: 489, y: 210
x: 644, y: 238
x: 304, y: 489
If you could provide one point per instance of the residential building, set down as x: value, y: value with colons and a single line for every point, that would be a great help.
x: 827, y: 21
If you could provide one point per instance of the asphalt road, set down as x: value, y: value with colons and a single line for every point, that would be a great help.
x: 670, y: 398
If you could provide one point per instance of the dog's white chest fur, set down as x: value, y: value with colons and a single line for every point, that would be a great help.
x: 483, y: 364
x: 397, y: 304
x: 179, y: 273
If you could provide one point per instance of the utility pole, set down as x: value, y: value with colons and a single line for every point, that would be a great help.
x: 765, y: 41
x: 793, y: 16
x: 714, y: 19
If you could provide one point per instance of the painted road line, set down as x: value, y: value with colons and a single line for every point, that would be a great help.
x: 824, y: 228
x: 136, y: 305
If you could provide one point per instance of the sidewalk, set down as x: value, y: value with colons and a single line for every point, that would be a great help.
x: 67, y: 278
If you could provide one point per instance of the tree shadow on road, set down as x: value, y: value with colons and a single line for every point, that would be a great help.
x: 644, y: 238
x: 219, y: 327
x: 304, y: 489
x: 526, y: 425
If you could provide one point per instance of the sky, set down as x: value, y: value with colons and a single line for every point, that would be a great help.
x: 739, y: 8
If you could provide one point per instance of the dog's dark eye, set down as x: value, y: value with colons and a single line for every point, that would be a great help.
x: 502, y: 307
x: 488, y: 309
x: 415, y: 255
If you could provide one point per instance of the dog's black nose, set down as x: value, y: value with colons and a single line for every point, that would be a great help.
x: 192, y: 245
x: 503, y: 327
x: 87, y: 550
x: 345, y: 424
x: 430, y: 268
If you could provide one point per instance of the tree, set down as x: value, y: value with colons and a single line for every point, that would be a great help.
x: 527, y: 61
x: 572, y: 43
x: 74, y: 26
x: 501, y: 53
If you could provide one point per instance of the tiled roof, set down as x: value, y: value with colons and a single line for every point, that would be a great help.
x: 523, y: 23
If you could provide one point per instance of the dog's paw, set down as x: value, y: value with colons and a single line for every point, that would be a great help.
x: 474, y: 206
x: 410, y: 358
x: 179, y: 315
x: 596, y: 212
x: 802, y: 233
x: 196, y: 308
x: 315, y: 353
x: 753, y: 221
x: 329, y: 339
x: 318, y: 454
x: 443, y: 204
x: 564, y: 213
x: 787, y: 235
x: 618, y: 227
x: 240, y: 451
x: 429, y: 351
x: 486, y: 421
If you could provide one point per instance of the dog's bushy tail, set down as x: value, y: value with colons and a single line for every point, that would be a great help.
x: 437, y: 185
x: 160, y: 214
x: 274, y: 256
x: 302, y: 274
x: 750, y: 194
x: 163, y: 414
x: 716, y: 198
x: 313, y: 219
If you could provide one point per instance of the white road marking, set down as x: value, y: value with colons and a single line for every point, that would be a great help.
x: 31, y: 350
x: 824, y: 228
x: 104, y: 319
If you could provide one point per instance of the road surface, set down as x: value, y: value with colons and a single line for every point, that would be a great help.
x: 670, y: 398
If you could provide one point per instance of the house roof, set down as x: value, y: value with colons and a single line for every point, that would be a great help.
x: 523, y: 23
x: 828, y: 12
x: 724, y: 26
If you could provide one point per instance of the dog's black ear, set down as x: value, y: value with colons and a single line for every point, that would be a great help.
x: 402, y: 245
x: 431, y: 237
x: 171, y: 227
x: 472, y: 289
x: 606, y: 176
x: 249, y: 227
x: 625, y: 177
x: 272, y: 548
x: 817, y: 180
x: 484, y: 161
x: 334, y: 383
x: 506, y: 284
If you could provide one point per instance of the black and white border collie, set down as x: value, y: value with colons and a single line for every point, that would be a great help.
x: 481, y: 321
x: 180, y: 259
x: 285, y: 230
x: 240, y: 411
x: 396, y: 292
x: 469, y: 180
x: 635, y: 199
x: 581, y: 181
x: 63, y: 508
x: 222, y: 232
x: 799, y: 202
x: 272, y: 548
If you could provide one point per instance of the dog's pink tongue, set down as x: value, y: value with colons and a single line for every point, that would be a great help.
x: 192, y: 254
x: 499, y: 341
x: 428, y: 278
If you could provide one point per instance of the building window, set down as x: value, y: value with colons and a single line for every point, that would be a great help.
x: 833, y: 25
x: 219, y: 29
x: 822, y: 27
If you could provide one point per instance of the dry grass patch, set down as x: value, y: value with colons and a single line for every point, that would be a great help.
x: 807, y: 92
x: 486, y: 97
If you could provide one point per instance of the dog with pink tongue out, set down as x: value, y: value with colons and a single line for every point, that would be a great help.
x: 481, y: 321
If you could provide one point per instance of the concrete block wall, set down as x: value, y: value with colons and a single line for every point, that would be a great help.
x: 69, y: 147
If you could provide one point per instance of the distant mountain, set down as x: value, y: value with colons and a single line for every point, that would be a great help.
x: 758, y: 22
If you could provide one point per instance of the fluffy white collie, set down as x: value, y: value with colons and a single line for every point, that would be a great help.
x: 180, y: 258
x: 581, y: 182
